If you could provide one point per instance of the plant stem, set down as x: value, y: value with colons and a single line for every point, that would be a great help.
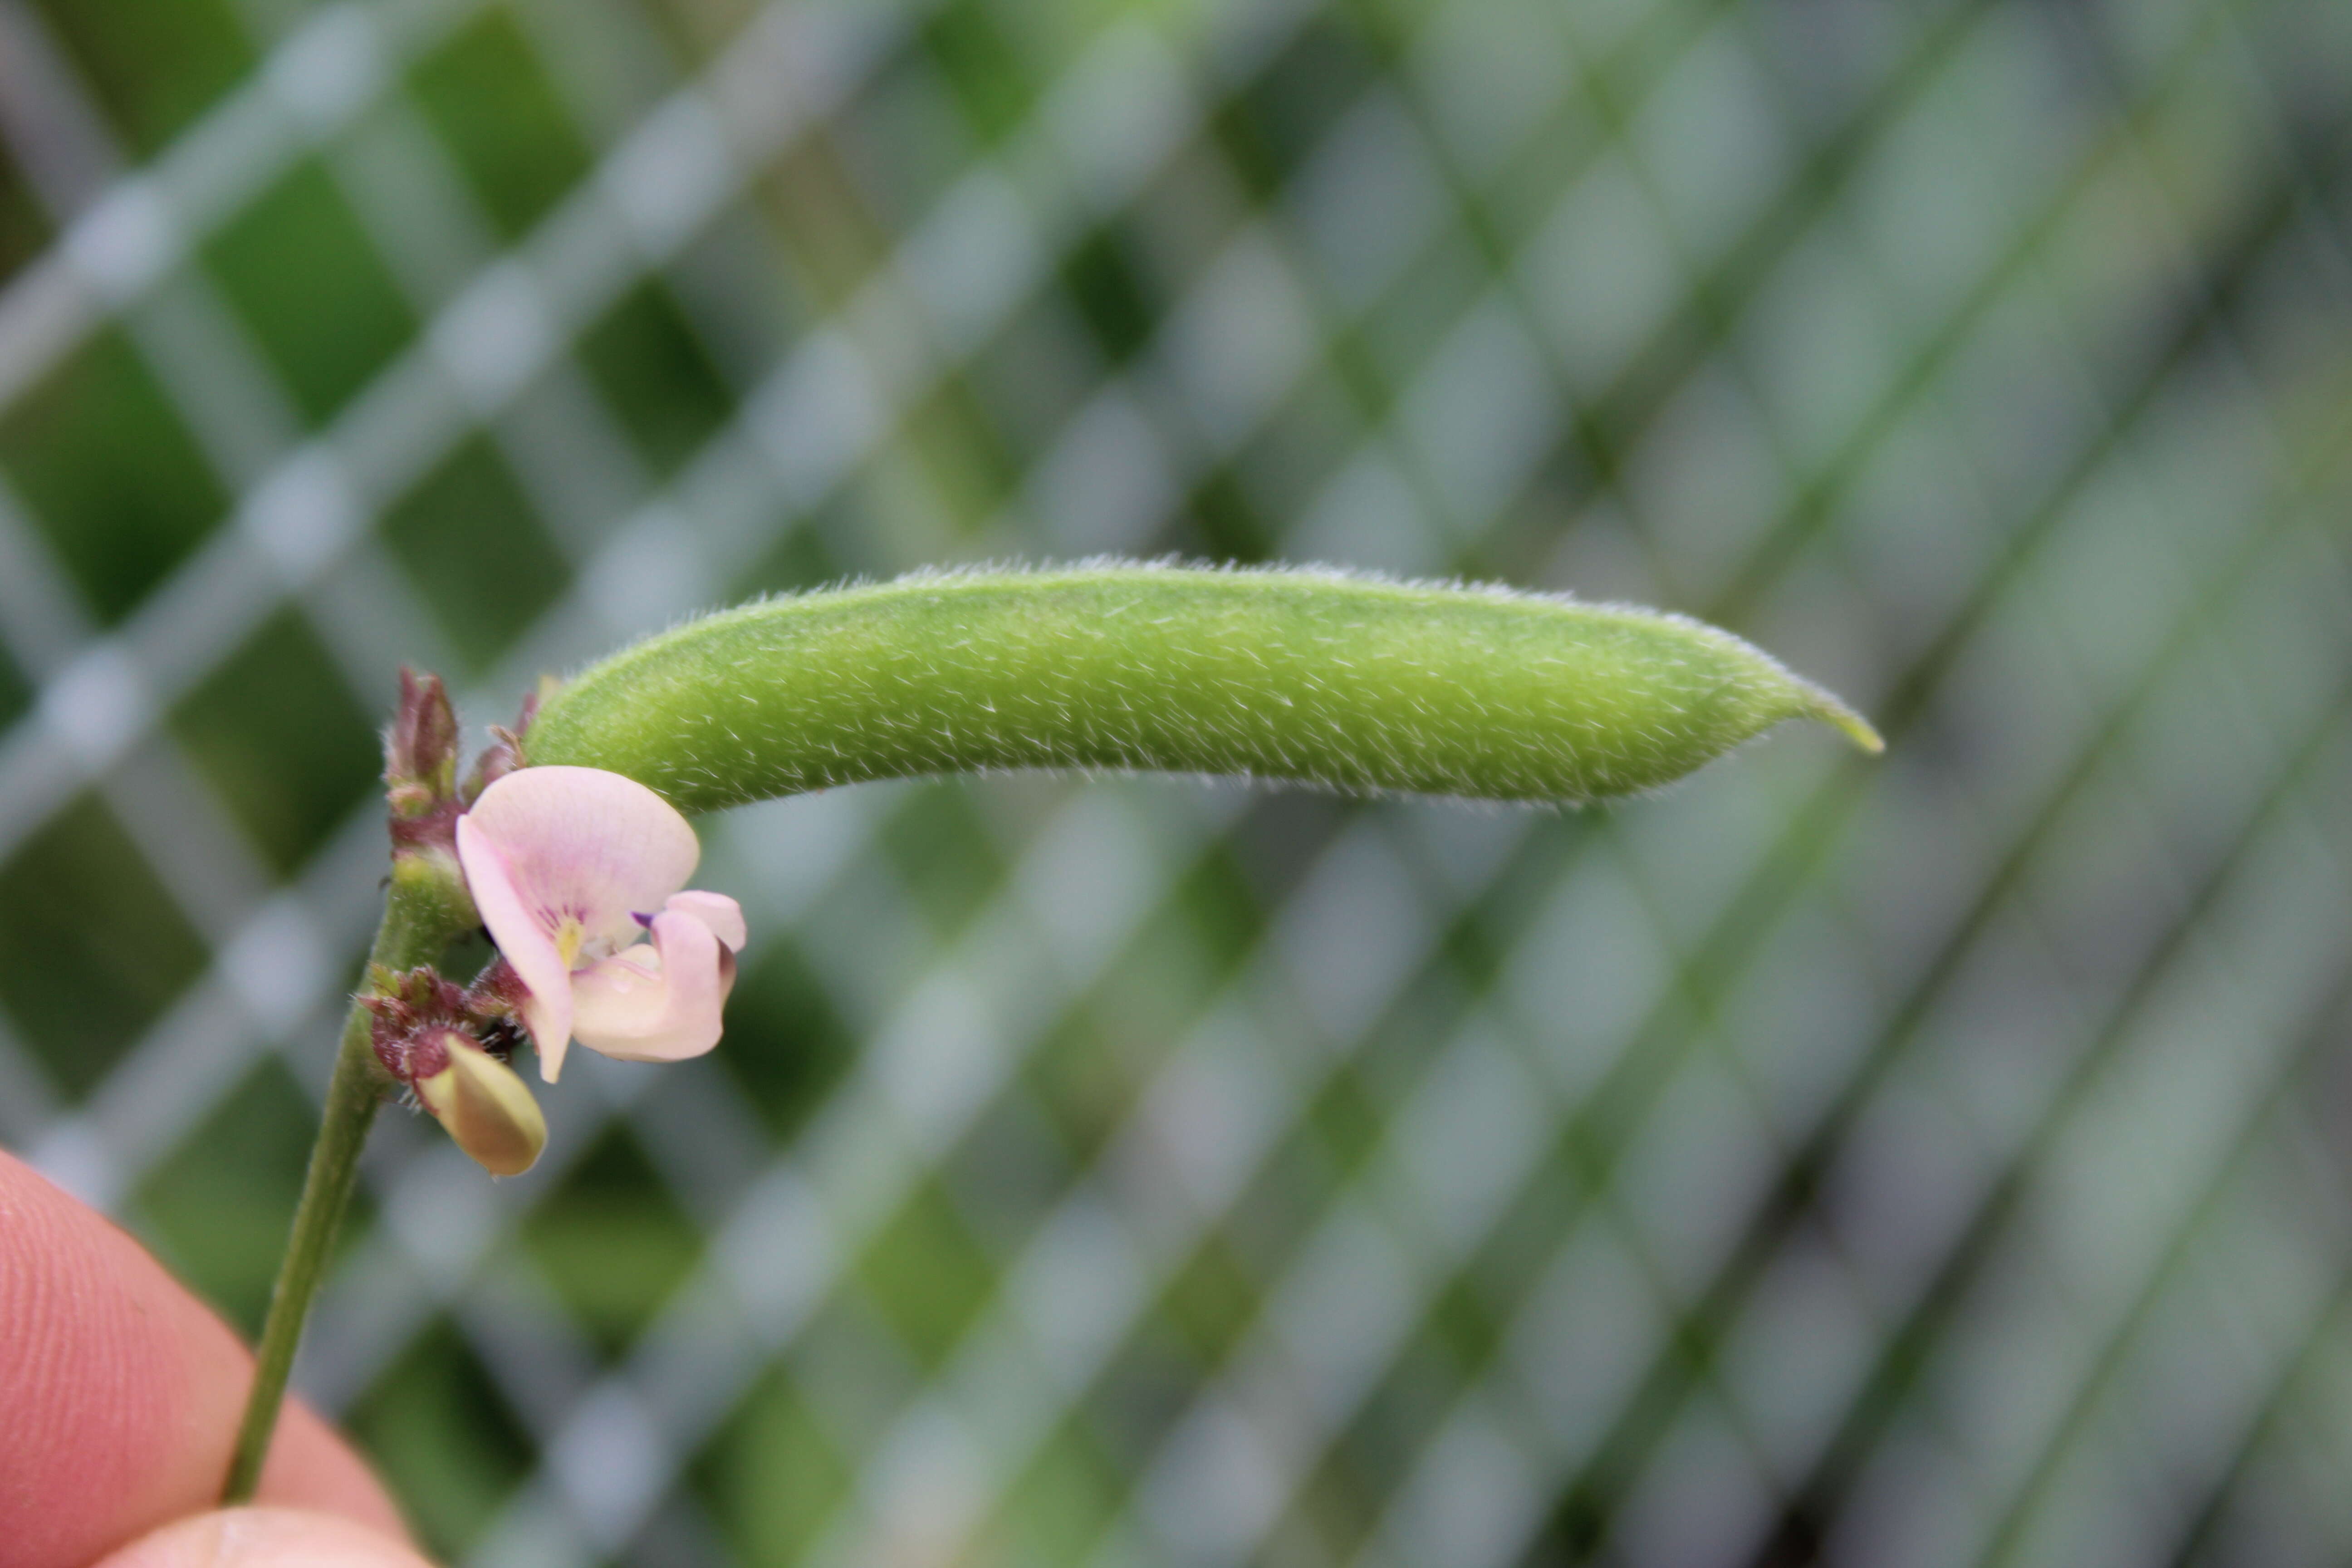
x: 420, y: 918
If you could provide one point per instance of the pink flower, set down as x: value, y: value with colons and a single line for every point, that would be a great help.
x: 570, y: 866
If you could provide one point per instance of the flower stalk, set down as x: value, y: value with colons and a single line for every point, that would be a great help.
x: 425, y: 909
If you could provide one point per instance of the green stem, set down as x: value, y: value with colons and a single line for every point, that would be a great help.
x: 420, y: 918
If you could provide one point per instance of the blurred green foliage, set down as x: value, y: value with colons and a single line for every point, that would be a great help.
x: 657, y: 377
x: 485, y: 93
x: 302, y: 274
x: 471, y: 511
x: 153, y: 65
x: 92, y: 948
x: 110, y: 474
x: 278, y: 733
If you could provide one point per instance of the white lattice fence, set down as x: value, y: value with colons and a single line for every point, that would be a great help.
x: 1938, y: 1160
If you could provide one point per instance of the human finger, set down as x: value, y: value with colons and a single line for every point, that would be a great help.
x: 265, y: 1538
x: 122, y: 1394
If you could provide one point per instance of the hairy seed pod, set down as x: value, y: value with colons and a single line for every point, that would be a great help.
x: 1309, y: 676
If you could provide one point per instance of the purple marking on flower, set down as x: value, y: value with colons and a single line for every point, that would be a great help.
x: 559, y: 861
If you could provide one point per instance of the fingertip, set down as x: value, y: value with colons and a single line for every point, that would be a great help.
x: 119, y: 1393
x: 264, y: 1538
x: 309, y: 1467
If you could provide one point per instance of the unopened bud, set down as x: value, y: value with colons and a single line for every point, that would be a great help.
x: 420, y: 753
x: 420, y: 768
x: 485, y: 1107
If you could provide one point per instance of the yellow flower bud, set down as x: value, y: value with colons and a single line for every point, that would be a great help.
x: 485, y: 1108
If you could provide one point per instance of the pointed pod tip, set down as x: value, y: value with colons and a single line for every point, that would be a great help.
x: 1829, y: 709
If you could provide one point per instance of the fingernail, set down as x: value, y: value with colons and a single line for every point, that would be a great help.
x: 264, y: 1538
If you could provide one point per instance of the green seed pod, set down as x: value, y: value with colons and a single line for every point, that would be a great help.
x: 1310, y: 676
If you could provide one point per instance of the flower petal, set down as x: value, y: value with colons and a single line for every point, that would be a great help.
x: 586, y: 845
x: 722, y: 914
x: 655, y: 1004
x: 507, y: 909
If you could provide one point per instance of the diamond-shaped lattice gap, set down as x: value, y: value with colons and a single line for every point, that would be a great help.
x: 981, y: 62
x: 23, y: 228
x: 1143, y: 1389
x: 219, y: 1208
x: 1055, y: 1510
x: 905, y: 138
x: 1369, y: 1458
x: 110, y: 473
x: 1005, y: 1175
x: 15, y: 695
x: 484, y: 93
x: 787, y: 1043
x: 1346, y: 1116
x: 1367, y: 200
x: 1270, y: 127
x: 1704, y: 1498
x: 1089, y: 1069
x: 1113, y: 294
x: 971, y: 469
x: 855, y: 1373
x: 770, y: 1476
x: 1395, y: 341
x: 1210, y: 1300
x: 942, y: 846
x: 1707, y: 481
x: 926, y: 1275
x: 1033, y: 375
x: 155, y: 78
x: 1217, y: 521
x: 276, y: 731
x: 1794, y: 1361
x: 796, y: 560
x: 658, y: 379
x: 1274, y: 1215
x: 310, y: 287
x: 466, y: 535
x: 1467, y: 1323
x: 445, y: 1442
x: 610, y: 1242
x: 1289, y: 473
x: 91, y: 948
x: 1505, y: 1272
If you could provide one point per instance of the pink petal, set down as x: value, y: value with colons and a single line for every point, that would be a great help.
x: 722, y: 914
x: 586, y: 845
x: 507, y: 909
x: 658, y: 1003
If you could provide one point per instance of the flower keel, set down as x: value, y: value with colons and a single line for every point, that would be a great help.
x: 657, y: 1001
